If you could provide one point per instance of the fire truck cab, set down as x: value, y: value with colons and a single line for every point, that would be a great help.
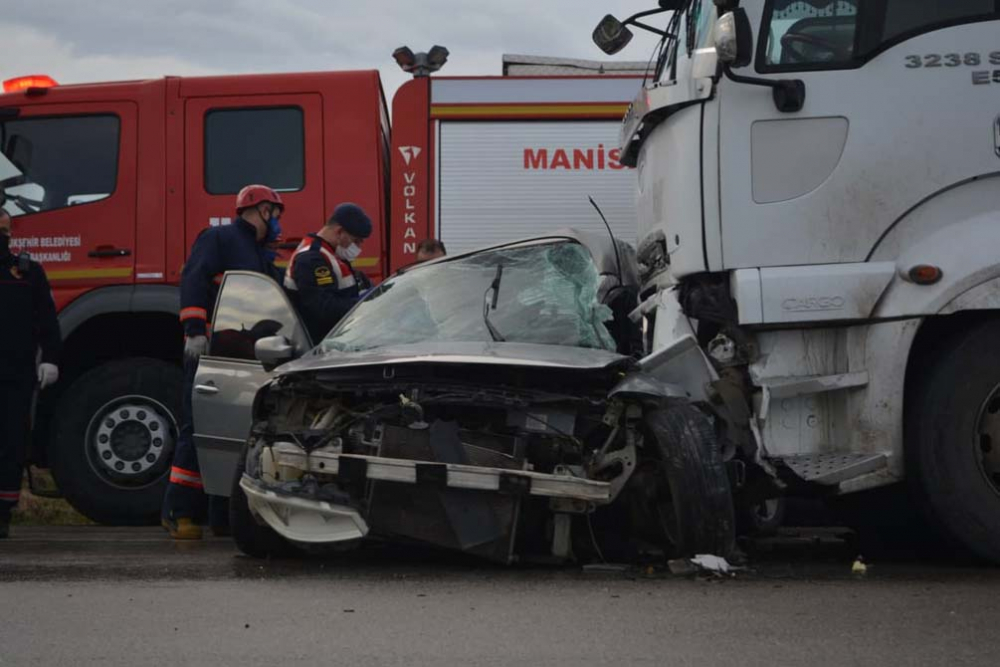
x: 109, y: 184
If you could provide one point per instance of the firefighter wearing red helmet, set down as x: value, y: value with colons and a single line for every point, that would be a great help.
x: 244, y: 245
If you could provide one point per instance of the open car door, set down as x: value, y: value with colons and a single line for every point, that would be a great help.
x: 250, y: 307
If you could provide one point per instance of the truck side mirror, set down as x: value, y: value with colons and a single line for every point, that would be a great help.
x: 273, y: 351
x: 734, y: 39
x: 611, y: 35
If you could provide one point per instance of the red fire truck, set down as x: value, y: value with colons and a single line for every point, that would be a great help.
x: 109, y: 184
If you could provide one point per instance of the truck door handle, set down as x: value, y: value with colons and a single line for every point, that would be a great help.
x: 207, y: 389
x: 109, y: 251
x: 290, y: 244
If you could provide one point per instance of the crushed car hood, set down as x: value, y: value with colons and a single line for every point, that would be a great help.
x: 493, y: 354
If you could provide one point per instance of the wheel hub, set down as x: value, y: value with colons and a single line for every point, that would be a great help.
x: 132, y: 437
x: 988, y: 438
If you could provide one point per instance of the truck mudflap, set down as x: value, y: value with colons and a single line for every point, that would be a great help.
x: 303, y: 520
x: 446, y: 475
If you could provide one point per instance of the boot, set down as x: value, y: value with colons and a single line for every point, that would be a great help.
x: 182, y: 528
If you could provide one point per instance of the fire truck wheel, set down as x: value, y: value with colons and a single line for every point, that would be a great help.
x: 953, y: 438
x: 252, y: 538
x: 113, y: 440
x: 696, y: 502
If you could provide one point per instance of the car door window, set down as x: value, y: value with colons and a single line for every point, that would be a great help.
x: 250, y: 307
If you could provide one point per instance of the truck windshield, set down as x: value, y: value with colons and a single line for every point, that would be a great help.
x: 547, y: 295
x: 801, y: 34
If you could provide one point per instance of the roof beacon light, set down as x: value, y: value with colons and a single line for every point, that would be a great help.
x: 23, y: 83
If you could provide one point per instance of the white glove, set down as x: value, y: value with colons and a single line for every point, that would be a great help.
x: 195, y: 346
x: 47, y: 374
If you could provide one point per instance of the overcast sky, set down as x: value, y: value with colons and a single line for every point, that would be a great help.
x: 98, y: 40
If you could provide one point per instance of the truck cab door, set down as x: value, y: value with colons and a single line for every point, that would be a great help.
x: 233, y: 141
x: 69, y: 172
x: 250, y: 307
x: 896, y: 109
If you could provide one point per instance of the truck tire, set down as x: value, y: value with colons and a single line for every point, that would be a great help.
x: 953, y: 439
x: 762, y: 519
x: 252, y: 538
x: 696, y: 502
x: 113, y: 440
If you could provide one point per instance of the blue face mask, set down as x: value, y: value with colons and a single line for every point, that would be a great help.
x: 273, y: 230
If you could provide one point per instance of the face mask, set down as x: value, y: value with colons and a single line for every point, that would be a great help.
x: 273, y: 230
x: 350, y: 253
x: 4, y: 242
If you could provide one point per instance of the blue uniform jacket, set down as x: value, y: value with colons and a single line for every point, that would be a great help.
x: 322, y: 285
x: 217, y: 250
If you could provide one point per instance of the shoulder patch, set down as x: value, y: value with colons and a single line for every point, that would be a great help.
x: 323, y: 275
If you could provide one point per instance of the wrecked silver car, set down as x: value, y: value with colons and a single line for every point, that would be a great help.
x: 492, y: 403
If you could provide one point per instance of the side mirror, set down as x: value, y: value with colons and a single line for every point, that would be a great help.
x: 734, y: 39
x: 611, y: 35
x: 273, y: 351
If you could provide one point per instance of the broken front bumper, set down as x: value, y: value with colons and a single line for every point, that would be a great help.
x: 309, y: 520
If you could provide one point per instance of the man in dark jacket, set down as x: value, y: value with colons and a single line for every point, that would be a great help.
x: 30, y: 324
x: 243, y: 245
x: 320, y: 279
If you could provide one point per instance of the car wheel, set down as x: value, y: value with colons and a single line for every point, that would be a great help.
x: 253, y: 538
x: 113, y: 440
x: 695, y: 504
x: 953, y: 439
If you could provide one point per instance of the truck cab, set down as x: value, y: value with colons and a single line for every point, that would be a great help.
x: 819, y: 205
x: 109, y: 184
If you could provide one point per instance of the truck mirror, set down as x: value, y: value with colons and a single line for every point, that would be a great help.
x: 734, y: 38
x: 611, y: 35
x: 273, y: 351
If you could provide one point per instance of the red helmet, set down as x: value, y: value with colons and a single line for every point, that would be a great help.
x: 252, y: 195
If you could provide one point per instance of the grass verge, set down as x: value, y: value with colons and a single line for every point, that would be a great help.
x: 38, y: 511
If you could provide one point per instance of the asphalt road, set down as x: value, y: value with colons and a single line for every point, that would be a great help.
x: 83, y: 596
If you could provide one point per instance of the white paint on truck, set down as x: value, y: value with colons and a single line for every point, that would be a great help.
x: 499, y: 181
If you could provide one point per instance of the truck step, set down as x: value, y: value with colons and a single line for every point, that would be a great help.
x: 832, y: 469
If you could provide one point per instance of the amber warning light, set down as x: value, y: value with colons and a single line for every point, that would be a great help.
x: 20, y: 83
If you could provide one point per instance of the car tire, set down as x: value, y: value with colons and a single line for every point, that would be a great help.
x: 112, y: 441
x: 252, y: 538
x: 696, y: 503
x: 953, y: 438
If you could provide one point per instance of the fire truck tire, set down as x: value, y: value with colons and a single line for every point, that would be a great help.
x: 252, y: 538
x: 113, y: 440
x: 953, y: 438
x: 696, y: 503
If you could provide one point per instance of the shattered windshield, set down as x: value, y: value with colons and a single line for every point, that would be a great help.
x: 543, y: 293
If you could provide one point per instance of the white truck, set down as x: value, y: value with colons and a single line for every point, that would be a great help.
x: 819, y: 225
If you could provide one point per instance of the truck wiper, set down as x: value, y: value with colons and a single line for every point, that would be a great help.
x: 492, y: 304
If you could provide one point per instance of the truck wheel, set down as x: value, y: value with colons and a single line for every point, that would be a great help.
x: 252, y: 538
x: 953, y: 439
x: 761, y: 519
x: 695, y: 503
x: 113, y: 440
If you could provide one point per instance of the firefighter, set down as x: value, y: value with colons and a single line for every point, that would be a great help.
x: 30, y: 324
x: 244, y: 245
x: 429, y: 249
x: 320, y: 279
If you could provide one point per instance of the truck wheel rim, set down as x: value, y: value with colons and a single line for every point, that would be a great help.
x: 130, y: 441
x: 988, y: 439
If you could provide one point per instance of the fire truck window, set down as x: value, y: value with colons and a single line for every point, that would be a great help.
x: 244, y: 146
x: 252, y: 307
x: 54, y: 162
